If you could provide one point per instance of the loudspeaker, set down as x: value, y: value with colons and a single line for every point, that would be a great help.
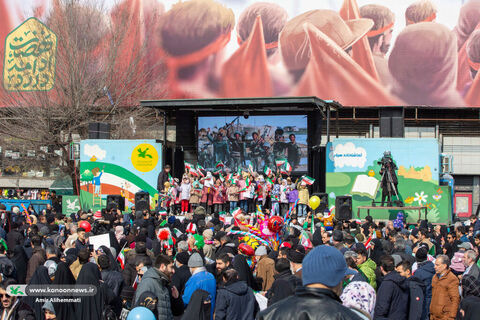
x: 115, y: 201
x: 185, y: 129
x: 98, y: 130
x: 323, y: 202
x: 343, y: 208
x: 142, y: 201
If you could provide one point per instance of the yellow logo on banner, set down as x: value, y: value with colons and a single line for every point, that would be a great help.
x: 144, y: 157
x: 29, y: 61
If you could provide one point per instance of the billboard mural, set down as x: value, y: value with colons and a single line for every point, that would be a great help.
x: 357, y: 52
x: 104, y: 170
x: 354, y: 168
x: 257, y: 141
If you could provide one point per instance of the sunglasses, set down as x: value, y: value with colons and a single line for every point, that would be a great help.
x: 5, y: 295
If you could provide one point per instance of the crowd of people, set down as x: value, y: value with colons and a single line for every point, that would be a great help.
x: 203, y: 264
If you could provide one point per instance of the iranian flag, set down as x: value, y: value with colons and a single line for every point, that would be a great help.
x: 250, y: 169
x: 219, y: 164
x: 269, y: 182
x: 308, y: 180
x: 135, y: 283
x: 121, y: 258
x: 288, y: 167
x: 236, y: 212
x: 194, y: 172
x: 189, y: 166
x: 267, y: 171
x: 177, y: 232
x: 217, y: 171
x: 305, y: 240
x: 170, y: 179
x: 280, y: 162
x: 191, y: 228
x: 162, y: 212
x: 247, y: 182
x: 221, y: 178
x: 200, y: 170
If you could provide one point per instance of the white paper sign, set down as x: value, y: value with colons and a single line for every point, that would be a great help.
x: 100, y: 240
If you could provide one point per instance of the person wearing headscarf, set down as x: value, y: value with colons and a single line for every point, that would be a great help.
x: 63, y: 276
x: 240, y: 264
x: 377, y: 251
x: 360, y: 297
x: 40, y: 277
x: 20, y: 261
x: 423, y: 62
x: 92, y: 307
x: 471, y: 90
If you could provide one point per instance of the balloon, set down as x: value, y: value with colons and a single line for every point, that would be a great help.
x: 246, y: 249
x: 275, y: 224
x: 85, y: 225
x: 314, y: 202
x: 140, y: 313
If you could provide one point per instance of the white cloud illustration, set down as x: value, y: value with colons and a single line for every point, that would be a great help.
x: 349, y: 155
x: 94, y: 150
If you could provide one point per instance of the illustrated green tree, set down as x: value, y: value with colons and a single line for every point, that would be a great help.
x: 87, y: 177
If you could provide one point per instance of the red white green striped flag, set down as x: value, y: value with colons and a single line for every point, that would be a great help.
x: 170, y: 179
x: 219, y: 164
x: 189, y: 166
x: 247, y: 182
x: 308, y: 180
x: 288, y: 167
x: 250, y: 168
x: 269, y: 182
x: 121, y: 258
x: 280, y: 162
x: 221, y: 178
x: 217, y: 171
x: 236, y: 211
x: 267, y: 171
x: 162, y: 212
x: 200, y: 170
x: 194, y: 172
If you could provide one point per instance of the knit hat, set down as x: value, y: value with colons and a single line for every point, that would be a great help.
x: 48, y: 305
x: 208, y: 234
x: 44, y: 231
x: 171, y: 219
x: 324, y: 265
x: 261, y: 251
x: 195, y: 260
x: 182, y: 257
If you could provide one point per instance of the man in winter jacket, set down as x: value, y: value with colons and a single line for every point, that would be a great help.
x: 131, y: 258
x: 324, y: 269
x: 392, y: 296
x: 265, y: 268
x: 284, y: 284
x: 445, y: 295
x: 366, y: 265
x: 416, y: 289
x: 113, y: 279
x: 37, y: 259
x: 156, y: 280
x: 13, y: 307
x: 200, y: 279
x: 425, y: 272
x: 235, y: 300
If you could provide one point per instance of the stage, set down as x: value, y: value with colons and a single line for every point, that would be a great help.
x: 368, y: 208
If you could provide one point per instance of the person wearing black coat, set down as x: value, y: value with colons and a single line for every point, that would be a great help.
x: 182, y: 272
x: 425, y: 272
x: 163, y: 177
x: 235, y: 300
x: 392, y: 295
x: 113, y: 279
x: 14, y: 237
x: 284, y: 284
x: 417, y: 291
